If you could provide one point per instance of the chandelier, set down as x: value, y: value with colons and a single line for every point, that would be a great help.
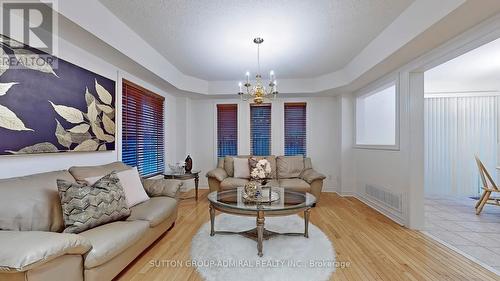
x: 258, y: 93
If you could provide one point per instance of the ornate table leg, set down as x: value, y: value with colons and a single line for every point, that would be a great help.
x: 196, y: 181
x: 260, y: 231
x: 212, y: 219
x: 306, y: 222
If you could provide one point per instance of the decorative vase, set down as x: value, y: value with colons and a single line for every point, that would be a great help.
x: 189, y: 164
x: 251, y: 189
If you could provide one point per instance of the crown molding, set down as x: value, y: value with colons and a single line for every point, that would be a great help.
x: 102, y: 23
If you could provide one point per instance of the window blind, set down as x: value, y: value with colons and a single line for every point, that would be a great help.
x: 227, y: 129
x: 295, y: 129
x: 260, y: 129
x: 142, y: 129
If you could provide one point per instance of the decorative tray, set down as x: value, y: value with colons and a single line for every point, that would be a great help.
x: 275, y: 196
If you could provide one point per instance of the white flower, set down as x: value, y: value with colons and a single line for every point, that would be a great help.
x: 262, y: 169
x: 268, y: 169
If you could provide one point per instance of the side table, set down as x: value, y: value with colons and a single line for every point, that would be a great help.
x: 185, y: 176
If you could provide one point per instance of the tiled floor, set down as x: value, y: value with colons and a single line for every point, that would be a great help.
x: 453, y: 220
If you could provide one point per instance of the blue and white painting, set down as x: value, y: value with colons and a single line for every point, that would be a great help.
x: 44, y: 108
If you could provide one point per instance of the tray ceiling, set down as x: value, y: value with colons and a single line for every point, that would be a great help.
x: 212, y: 40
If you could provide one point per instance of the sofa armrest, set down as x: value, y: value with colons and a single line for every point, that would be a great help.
x: 24, y: 250
x: 162, y: 187
x: 310, y: 175
x: 219, y: 174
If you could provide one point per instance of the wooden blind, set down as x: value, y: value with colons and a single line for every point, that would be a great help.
x: 295, y: 129
x: 260, y: 129
x: 227, y: 129
x: 142, y: 129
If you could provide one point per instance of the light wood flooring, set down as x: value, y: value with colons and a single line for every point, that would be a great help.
x: 375, y: 247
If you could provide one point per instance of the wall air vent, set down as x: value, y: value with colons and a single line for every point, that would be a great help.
x: 386, y: 197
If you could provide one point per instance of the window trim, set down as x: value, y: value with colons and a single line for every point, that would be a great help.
x: 306, y: 123
x: 150, y: 93
x: 372, y: 90
x: 216, y: 138
x: 270, y: 126
x: 239, y: 116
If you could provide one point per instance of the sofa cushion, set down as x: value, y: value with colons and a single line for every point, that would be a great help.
x: 289, y: 166
x: 155, y: 210
x: 229, y: 183
x: 297, y: 184
x: 229, y: 165
x: 109, y: 240
x: 241, y: 168
x: 80, y: 173
x: 23, y: 250
x: 130, y: 180
x: 85, y: 206
x: 31, y: 203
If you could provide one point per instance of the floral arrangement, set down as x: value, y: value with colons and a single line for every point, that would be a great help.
x: 262, y: 170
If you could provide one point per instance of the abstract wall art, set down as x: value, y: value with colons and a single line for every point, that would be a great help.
x: 52, y: 107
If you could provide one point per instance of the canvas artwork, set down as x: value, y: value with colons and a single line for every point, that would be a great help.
x: 52, y: 109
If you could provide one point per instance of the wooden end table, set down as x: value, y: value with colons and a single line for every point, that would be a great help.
x: 185, y: 176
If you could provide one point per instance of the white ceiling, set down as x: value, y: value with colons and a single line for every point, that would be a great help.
x: 477, y: 70
x: 212, y: 40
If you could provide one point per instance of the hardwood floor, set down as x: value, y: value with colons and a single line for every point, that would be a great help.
x: 375, y: 247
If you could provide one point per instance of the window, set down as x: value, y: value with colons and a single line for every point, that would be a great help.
x: 260, y: 129
x: 142, y: 129
x: 295, y: 129
x: 376, y: 118
x: 227, y: 129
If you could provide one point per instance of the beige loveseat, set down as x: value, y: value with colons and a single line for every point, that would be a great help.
x: 290, y: 172
x: 33, y: 248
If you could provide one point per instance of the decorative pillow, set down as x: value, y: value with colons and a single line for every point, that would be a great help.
x: 241, y: 168
x: 85, y: 207
x: 132, y: 186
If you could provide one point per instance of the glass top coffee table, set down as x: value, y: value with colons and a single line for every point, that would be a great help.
x: 232, y: 202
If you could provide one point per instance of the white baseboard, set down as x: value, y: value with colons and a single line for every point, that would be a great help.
x: 376, y: 206
x: 382, y: 209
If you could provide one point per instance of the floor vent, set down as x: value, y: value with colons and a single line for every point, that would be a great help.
x: 385, y: 197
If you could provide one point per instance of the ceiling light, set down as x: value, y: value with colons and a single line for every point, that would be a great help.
x: 258, y: 93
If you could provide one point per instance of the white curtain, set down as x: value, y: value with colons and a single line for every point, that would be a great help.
x: 457, y: 128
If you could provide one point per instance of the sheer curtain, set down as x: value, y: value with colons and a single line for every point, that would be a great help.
x: 457, y: 128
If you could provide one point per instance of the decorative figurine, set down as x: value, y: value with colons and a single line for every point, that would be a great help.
x: 189, y: 164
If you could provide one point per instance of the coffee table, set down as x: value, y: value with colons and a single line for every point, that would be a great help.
x: 232, y: 202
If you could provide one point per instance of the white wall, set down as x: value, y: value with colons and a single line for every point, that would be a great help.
x: 386, y: 169
x: 18, y: 165
x: 323, y: 139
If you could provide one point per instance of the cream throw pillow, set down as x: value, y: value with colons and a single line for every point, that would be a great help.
x: 241, y: 168
x: 132, y: 186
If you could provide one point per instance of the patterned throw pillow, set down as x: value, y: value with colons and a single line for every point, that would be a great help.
x: 85, y: 207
